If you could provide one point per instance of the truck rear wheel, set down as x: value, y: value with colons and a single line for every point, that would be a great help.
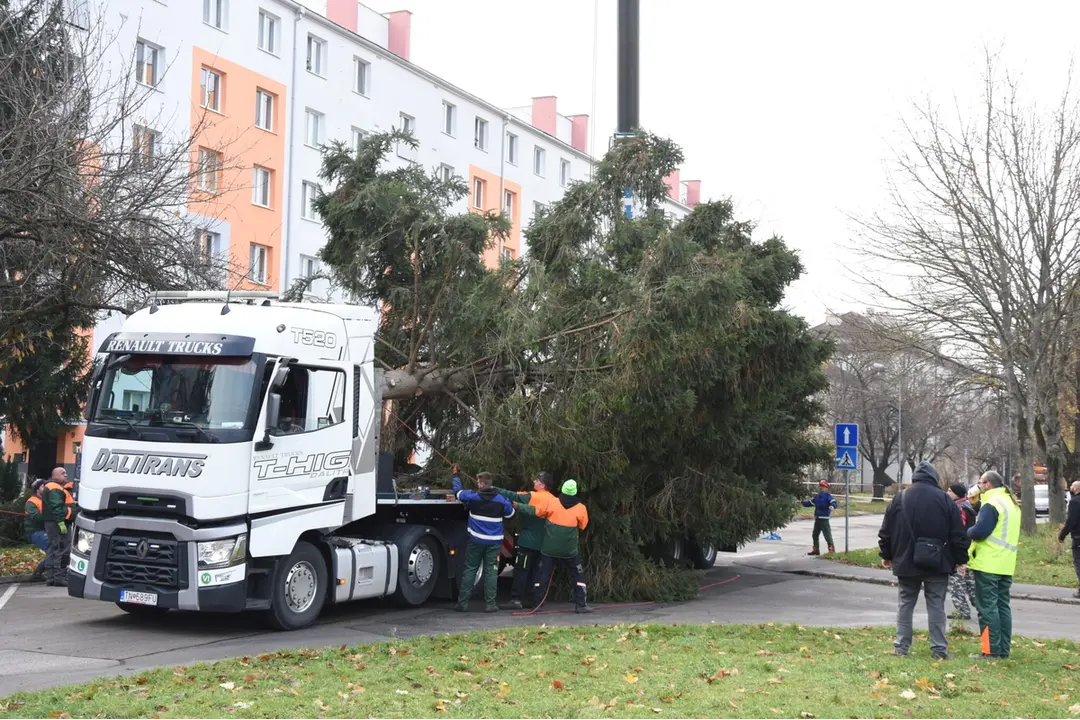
x: 298, y: 589
x: 703, y: 555
x: 419, y: 565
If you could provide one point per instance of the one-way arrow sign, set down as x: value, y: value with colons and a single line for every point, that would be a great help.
x: 845, y: 458
x: 847, y: 435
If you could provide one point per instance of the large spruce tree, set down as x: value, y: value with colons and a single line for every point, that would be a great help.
x: 652, y: 362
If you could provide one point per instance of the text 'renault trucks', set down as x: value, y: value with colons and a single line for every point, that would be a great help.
x: 231, y: 462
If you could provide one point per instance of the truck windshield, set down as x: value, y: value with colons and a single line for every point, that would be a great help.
x: 161, y: 391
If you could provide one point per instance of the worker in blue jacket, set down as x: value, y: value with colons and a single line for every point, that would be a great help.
x: 823, y: 504
x: 487, y: 511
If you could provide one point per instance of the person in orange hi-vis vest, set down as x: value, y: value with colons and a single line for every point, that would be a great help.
x: 566, y: 518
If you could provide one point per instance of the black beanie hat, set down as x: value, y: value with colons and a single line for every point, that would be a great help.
x: 959, y: 490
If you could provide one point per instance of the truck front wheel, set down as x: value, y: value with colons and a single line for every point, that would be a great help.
x: 298, y: 589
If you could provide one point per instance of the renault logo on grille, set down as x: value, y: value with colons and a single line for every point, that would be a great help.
x: 142, y: 549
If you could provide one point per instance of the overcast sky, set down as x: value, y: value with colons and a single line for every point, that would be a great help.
x: 790, y: 108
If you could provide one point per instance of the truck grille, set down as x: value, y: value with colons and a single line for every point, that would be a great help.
x: 156, y: 562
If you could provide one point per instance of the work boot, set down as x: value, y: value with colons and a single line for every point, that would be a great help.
x: 832, y: 549
x: 516, y: 605
x: 491, y: 608
x: 583, y: 609
x: 815, y: 551
x: 941, y: 656
x: 461, y: 608
x: 56, y: 583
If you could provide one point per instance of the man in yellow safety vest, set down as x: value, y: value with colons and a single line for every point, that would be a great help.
x: 995, y: 538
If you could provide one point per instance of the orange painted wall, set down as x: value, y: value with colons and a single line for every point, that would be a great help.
x: 493, y: 201
x: 233, y: 132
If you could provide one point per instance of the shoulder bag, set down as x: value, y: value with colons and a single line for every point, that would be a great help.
x: 929, y: 552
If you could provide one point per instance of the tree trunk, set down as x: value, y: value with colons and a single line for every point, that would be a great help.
x: 881, y: 481
x: 1026, y: 461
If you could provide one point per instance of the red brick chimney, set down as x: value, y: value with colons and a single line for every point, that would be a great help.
x: 579, y: 134
x: 672, y: 181
x: 400, y: 34
x: 544, y: 115
x: 693, y: 192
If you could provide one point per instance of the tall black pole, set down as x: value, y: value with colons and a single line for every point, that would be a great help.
x: 629, y: 54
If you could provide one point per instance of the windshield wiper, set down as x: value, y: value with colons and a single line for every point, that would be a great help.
x: 199, y: 432
x: 138, y: 435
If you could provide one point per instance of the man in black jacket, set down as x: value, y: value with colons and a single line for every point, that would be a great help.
x: 923, y: 518
x: 1072, y: 527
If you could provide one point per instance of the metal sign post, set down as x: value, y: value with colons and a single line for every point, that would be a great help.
x: 847, y: 459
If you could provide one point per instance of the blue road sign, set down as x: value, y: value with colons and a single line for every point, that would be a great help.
x: 846, y: 458
x: 847, y: 435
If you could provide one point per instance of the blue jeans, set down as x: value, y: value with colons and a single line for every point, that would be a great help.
x: 40, y: 540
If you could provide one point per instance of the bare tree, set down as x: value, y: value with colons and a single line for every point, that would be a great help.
x: 95, y: 205
x: 983, y: 227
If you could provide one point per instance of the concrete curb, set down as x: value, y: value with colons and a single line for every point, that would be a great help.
x: 9, y: 579
x: 887, y: 581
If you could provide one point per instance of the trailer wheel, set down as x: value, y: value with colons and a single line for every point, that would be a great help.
x: 298, y: 589
x: 142, y: 611
x: 419, y: 566
x: 703, y: 555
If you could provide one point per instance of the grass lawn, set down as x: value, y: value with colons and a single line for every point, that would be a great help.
x: 860, y: 506
x: 602, y: 671
x: 1041, y: 560
x: 19, y: 560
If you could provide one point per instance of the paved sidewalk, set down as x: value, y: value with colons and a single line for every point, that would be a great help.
x: 824, y: 568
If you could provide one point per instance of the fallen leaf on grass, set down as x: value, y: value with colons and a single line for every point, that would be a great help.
x: 440, y: 706
x: 243, y: 705
x: 249, y: 678
x: 908, y: 694
x: 57, y: 714
x: 594, y: 701
x: 1061, y: 697
x: 950, y: 676
x: 504, y: 690
x: 1069, y: 666
x: 805, y: 714
x: 874, y: 674
x: 227, y: 685
x: 924, y: 683
x: 321, y: 705
x: 556, y: 684
x: 1075, y: 709
x: 631, y: 678
x: 402, y: 692
x: 355, y: 689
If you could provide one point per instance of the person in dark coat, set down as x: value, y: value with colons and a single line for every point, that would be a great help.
x: 925, y: 513
x: 1072, y: 528
x: 962, y: 585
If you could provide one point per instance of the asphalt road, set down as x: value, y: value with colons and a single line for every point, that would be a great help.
x: 48, y: 638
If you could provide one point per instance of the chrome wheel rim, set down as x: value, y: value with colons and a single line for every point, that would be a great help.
x: 300, y: 586
x: 421, y: 565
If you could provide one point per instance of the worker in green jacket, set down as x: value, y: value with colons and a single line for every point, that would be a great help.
x: 34, y: 525
x: 58, y: 513
x: 531, y: 538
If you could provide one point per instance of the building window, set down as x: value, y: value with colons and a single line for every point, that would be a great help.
x: 264, y: 110
x: 316, y: 55
x: 211, y: 89
x: 145, y: 142
x: 147, y: 63
x: 508, y: 203
x: 258, y: 257
x: 478, y: 193
x: 208, y: 243
x: 481, y: 134
x: 564, y: 172
x: 538, y: 208
x: 308, y: 266
x: 209, y: 169
x: 314, y: 132
x: 539, y: 160
x: 408, y: 123
x: 268, y: 32
x: 446, y: 172
x: 361, y: 76
x: 215, y: 13
x: 260, y: 186
x: 511, y: 148
x: 449, y: 122
x: 506, y: 253
x: 79, y: 13
x: 308, y: 192
x: 358, y: 136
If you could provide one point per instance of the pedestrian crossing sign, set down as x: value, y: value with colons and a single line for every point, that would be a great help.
x: 846, y: 458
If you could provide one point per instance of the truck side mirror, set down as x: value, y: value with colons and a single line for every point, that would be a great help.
x: 273, y: 415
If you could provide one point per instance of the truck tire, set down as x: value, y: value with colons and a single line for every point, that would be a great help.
x: 419, y: 565
x: 298, y: 588
x: 142, y: 611
x: 703, y: 555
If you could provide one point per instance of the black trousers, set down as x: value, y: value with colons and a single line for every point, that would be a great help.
x: 526, y: 566
x: 54, y: 554
x: 577, y: 574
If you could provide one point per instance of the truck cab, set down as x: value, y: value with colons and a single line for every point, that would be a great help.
x: 231, y: 462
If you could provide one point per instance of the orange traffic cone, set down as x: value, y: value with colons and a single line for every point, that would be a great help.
x: 986, y: 641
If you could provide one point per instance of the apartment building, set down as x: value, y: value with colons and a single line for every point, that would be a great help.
x: 263, y: 84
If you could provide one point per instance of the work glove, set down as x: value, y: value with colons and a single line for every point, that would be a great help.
x: 63, y: 527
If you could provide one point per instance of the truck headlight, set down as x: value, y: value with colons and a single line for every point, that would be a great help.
x: 84, y: 541
x: 223, y: 553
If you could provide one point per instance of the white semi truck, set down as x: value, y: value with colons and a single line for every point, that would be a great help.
x: 231, y: 462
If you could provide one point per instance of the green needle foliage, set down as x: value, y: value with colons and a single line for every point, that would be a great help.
x: 652, y: 362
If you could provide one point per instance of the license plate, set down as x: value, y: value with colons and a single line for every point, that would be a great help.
x: 138, y: 598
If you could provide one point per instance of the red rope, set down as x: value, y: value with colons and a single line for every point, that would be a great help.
x: 537, y: 611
